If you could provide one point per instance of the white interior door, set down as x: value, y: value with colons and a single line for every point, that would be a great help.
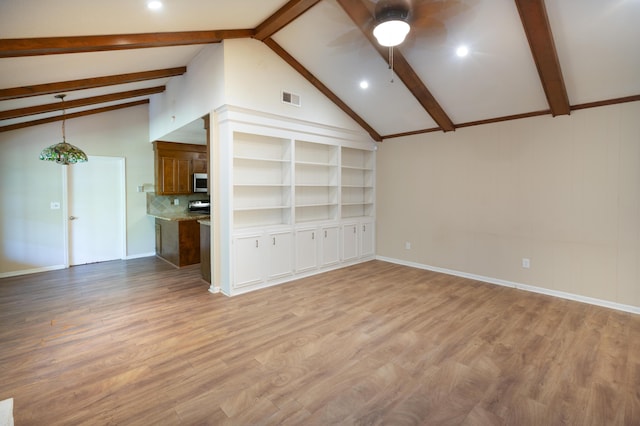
x: 96, y: 210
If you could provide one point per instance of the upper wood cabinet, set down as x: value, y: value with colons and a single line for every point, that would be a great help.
x: 199, y: 165
x: 175, y: 164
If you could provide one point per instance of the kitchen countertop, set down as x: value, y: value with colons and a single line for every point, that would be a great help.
x: 206, y: 222
x: 181, y: 216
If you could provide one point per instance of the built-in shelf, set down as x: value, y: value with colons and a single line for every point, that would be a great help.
x: 357, y: 183
x: 261, y: 180
x: 316, y: 181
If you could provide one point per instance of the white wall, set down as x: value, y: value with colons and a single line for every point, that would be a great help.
x: 32, y: 233
x: 190, y: 96
x: 563, y: 192
x: 243, y: 73
x: 255, y: 77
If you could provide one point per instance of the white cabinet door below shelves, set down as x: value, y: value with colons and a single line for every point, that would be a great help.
x: 280, y: 247
x: 330, y: 245
x: 249, y: 258
x: 367, y: 239
x: 306, y: 250
x: 350, y: 241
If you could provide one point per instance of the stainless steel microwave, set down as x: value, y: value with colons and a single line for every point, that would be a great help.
x: 200, y: 182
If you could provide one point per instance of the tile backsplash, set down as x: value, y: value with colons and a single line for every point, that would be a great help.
x: 163, y: 204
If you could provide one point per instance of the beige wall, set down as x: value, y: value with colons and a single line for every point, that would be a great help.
x: 563, y: 192
x: 32, y: 234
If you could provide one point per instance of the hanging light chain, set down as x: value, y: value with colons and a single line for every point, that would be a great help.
x: 61, y: 97
x: 391, y: 61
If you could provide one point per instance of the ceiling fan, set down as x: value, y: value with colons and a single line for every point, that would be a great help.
x: 394, y: 19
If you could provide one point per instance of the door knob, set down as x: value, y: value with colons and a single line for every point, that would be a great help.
x: 73, y: 217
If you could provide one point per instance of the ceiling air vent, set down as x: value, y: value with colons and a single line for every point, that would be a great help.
x: 290, y: 98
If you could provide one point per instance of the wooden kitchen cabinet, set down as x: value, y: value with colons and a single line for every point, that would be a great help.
x: 175, y: 176
x: 205, y: 251
x: 199, y: 165
x: 178, y: 241
x: 175, y: 164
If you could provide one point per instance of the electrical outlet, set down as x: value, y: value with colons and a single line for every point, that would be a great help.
x: 176, y: 201
x: 140, y: 188
x: 407, y: 245
x: 526, y: 263
x: 55, y: 205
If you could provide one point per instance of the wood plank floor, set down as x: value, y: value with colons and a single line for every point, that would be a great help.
x: 140, y: 343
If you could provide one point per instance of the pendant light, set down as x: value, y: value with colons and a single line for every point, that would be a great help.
x: 63, y: 153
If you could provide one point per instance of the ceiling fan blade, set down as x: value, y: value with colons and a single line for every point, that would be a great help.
x: 432, y: 32
x: 426, y: 10
x: 351, y: 38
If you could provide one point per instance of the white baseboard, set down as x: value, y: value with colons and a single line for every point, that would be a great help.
x: 525, y: 287
x: 31, y: 271
x: 56, y: 267
x: 139, y: 255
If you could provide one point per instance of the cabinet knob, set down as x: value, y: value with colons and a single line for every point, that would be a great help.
x: 325, y: 233
x: 256, y: 243
x: 364, y: 228
x: 274, y: 241
x: 313, y: 235
x: 354, y: 229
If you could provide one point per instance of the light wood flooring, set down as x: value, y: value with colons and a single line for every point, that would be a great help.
x: 141, y: 343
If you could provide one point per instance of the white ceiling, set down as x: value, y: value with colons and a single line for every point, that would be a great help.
x: 596, y: 42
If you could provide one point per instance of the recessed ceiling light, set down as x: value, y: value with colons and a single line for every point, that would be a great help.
x: 364, y: 84
x: 154, y: 5
x: 462, y: 51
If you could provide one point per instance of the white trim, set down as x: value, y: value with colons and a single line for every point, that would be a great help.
x: 525, y: 287
x: 31, y: 271
x: 65, y: 214
x: 140, y: 255
x: 123, y: 200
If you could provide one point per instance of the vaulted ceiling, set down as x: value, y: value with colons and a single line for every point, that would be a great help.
x: 526, y: 57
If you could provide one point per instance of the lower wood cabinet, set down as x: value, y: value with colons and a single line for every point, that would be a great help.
x: 205, y: 252
x: 178, y: 242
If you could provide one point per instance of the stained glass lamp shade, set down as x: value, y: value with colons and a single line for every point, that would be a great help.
x: 63, y: 153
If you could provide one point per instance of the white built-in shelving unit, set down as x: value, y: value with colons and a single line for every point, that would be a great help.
x: 295, y: 199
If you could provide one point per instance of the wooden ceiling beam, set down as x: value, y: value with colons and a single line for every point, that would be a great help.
x: 361, y: 16
x: 73, y: 115
x: 320, y: 86
x: 535, y: 21
x: 283, y: 17
x: 88, y: 83
x: 94, y: 100
x: 18, y: 47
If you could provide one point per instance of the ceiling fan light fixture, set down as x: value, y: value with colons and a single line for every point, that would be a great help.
x: 392, y: 26
x: 154, y: 5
